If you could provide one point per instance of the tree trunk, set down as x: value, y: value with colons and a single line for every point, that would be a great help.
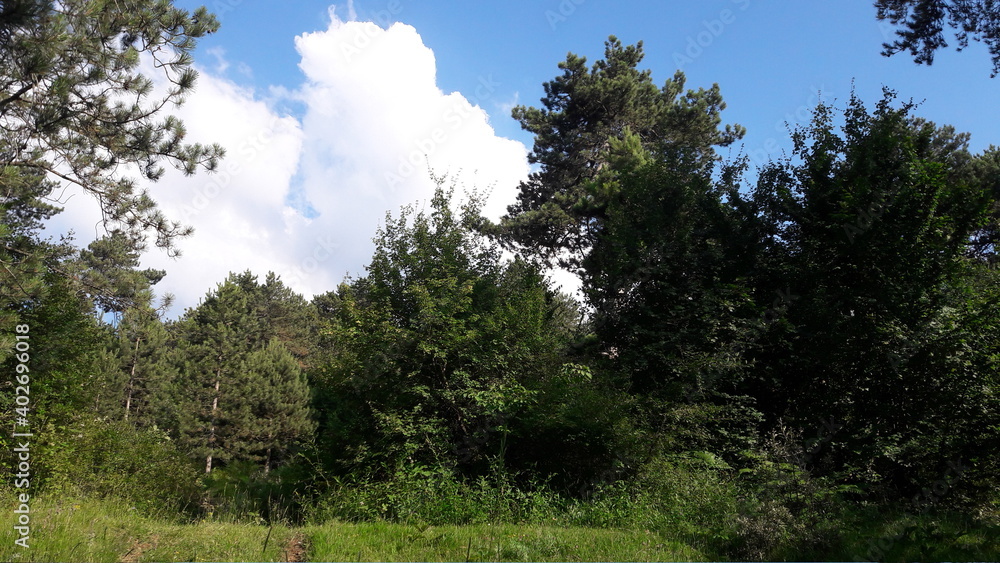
x: 211, y: 429
x: 131, y: 378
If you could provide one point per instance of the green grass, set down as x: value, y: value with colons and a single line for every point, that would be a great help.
x: 109, y: 531
x: 395, y: 542
x: 893, y: 535
x: 112, y: 531
x: 96, y: 531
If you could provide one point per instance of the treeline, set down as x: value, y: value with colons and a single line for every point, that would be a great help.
x: 827, y: 333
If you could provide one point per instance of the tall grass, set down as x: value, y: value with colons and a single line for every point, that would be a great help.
x: 484, y: 542
x: 674, y: 509
x: 108, y: 530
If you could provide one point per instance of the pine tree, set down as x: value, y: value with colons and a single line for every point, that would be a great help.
x: 557, y: 217
x: 921, y: 26
x: 273, y: 412
x: 220, y: 394
x: 74, y: 113
x: 138, y: 388
x: 107, y: 270
x: 75, y: 106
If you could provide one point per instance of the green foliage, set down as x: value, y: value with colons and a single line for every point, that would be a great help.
x: 271, y: 405
x: 665, y: 274
x: 105, y: 458
x: 579, y: 432
x: 75, y: 106
x: 242, y: 491
x: 137, y: 383
x: 212, y: 343
x: 65, y: 355
x: 24, y: 257
x: 436, y: 349
x: 727, y: 425
x: 627, y: 196
x: 108, y: 272
x: 436, y: 496
x: 336, y: 541
x: 240, y: 394
x: 67, y: 71
x: 89, y: 530
x: 585, y: 111
x: 689, y: 495
x: 922, y: 24
x: 870, y: 229
x: 689, y: 498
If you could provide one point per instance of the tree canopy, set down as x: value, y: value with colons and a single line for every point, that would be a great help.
x: 557, y: 215
x: 921, y: 26
x: 79, y: 109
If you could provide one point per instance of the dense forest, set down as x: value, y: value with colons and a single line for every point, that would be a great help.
x: 758, y: 359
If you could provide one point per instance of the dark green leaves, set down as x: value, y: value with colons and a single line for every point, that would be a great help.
x: 555, y: 218
x: 437, y: 346
x: 921, y: 26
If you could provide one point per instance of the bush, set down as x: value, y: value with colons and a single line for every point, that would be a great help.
x: 243, y: 492
x: 689, y: 496
x: 786, y: 510
x: 436, y: 496
x: 115, y: 459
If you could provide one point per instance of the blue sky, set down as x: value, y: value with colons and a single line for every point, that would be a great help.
x: 320, y: 110
x: 769, y: 60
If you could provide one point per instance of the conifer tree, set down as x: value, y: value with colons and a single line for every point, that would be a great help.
x: 233, y: 361
x: 75, y: 106
x: 138, y: 387
x: 273, y: 411
x: 920, y: 26
x: 557, y: 216
x: 216, y: 338
x: 77, y: 113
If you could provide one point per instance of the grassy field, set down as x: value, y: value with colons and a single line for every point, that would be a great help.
x: 105, y: 531
x: 393, y: 542
x: 111, y: 531
x: 97, y: 531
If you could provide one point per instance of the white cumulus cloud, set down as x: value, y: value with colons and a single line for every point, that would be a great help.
x: 303, y: 195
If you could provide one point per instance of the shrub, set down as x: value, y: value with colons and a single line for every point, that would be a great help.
x: 105, y: 458
x: 436, y: 496
x: 243, y: 492
x: 690, y: 496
